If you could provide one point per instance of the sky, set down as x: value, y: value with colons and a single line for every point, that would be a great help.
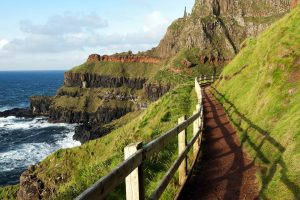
x: 60, y: 34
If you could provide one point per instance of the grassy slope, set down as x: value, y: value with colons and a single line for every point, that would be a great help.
x: 117, y: 69
x: 80, y: 167
x: 9, y: 192
x: 262, y: 94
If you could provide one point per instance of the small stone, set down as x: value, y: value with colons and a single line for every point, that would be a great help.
x: 292, y: 91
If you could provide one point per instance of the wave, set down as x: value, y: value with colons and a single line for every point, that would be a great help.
x: 32, y: 153
x: 21, y: 155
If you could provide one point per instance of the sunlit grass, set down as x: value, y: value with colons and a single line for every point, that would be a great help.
x: 263, y: 99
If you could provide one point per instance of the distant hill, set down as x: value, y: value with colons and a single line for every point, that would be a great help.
x: 218, y: 27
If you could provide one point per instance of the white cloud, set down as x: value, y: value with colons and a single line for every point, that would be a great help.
x: 3, y: 42
x: 61, y: 37
x: 60, y: 33
x: 67, y: 23
x: 155, y: 20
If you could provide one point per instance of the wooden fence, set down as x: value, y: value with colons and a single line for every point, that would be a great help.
x: 135, y: 154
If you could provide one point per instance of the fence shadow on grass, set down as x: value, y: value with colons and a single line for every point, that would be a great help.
x: 274, y: 163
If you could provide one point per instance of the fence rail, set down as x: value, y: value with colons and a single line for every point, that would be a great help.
x: 135, y: 154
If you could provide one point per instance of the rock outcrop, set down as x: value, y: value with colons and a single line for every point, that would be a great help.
x: 124, y: 59
x: 103, y: 114
x: 155, y: 91
x: 86, y: 132
x: 31, y: 188
x: 17, y: 112
x: 218, y: 27
x: 40, y: 105
x: 87, y: 80
x: 294, y: 3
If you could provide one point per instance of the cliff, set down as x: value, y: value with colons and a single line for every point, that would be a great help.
x: 40, y: 105
x: 101, y: 90
x: 219, y: 27
x: 88, y: 80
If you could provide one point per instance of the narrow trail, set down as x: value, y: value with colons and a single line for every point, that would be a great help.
x: 224, y: 172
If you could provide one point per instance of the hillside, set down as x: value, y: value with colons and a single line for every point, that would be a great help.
x: 217, y: 28
x: 260, y: 89
x: 66, y: 173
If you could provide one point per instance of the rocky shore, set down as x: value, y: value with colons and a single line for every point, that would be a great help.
x: 93, y: 100
x: 17, y: 112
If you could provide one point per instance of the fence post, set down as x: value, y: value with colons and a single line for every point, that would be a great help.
x: 134, y: 181
x: 213, y: 78
x: 195, y: 130
x: 201, y: 119
x: 182, y: 142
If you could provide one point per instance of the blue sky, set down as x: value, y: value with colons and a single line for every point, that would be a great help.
x: 60, y: 34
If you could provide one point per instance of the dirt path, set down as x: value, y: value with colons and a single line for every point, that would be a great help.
x: 224, y: 172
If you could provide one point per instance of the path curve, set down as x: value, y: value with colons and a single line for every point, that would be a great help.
x: 225, y: 172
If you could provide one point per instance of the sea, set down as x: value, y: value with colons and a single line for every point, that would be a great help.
x: 24, y: 142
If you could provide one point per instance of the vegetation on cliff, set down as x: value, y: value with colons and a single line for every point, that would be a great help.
x: 90, y: 99
x: 118, y: 69
x: 260, y: 89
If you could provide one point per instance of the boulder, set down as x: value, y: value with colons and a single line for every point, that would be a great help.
x: 17, y: 112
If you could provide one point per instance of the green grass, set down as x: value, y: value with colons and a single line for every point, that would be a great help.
x: 264, y: 20
x: 193, y: 55
x: 118, y: 69
x: 82, y: 166
x: 261, y: 91
x: 9, y: 192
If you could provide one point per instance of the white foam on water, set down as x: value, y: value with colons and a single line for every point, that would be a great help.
x: 13, y: 123
x: 32, y: 153
x: 5, y: 108
x: 20, y: 105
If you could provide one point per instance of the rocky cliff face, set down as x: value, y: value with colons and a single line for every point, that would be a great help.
x: 87, y: 80
x: 295, y: 3
x: 218, y: 27
x: 31, y: 188
x: 104, y: 114
x: 155, y: 91
x: 93, y: 98
x: 40, y: 105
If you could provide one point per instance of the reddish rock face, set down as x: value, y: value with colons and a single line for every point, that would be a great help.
x: 123, y: 59
x: 187, y: 63
x: 94, y: 57
x: 213, y: 60
x: 294, y: 3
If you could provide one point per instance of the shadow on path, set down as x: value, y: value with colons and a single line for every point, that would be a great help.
x: 274, y: 162
x: 224, y: 172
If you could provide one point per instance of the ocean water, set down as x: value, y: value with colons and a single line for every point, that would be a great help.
x: 27, y: 141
